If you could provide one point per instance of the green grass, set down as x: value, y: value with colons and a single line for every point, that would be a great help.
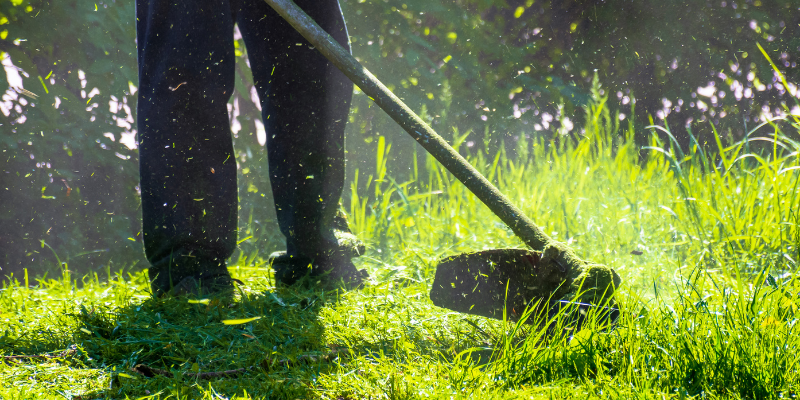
x: 705, y: 241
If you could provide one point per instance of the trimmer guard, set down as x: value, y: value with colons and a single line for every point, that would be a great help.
x: 487, y: 282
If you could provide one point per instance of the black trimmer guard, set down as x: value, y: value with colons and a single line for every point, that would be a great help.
x: 487, y: 282
x: 477, y: 283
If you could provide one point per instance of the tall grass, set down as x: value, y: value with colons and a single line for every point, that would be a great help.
x: 705, y: 239
x: 723, y: 207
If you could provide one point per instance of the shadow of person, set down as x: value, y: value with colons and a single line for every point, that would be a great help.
x: 267, y: 342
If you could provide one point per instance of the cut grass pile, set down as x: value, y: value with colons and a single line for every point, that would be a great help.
x: 706, y: 245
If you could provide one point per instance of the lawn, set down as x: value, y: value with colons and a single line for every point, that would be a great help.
x: 705, y: 239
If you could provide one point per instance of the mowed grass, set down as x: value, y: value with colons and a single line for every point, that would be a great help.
x: 706, y: 242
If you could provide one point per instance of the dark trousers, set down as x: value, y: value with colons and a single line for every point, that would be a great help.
x: 187, y: 164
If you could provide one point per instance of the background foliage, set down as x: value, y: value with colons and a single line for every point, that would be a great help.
x: 489, y: 72
x: 67, y: 178
x: 708, y: 308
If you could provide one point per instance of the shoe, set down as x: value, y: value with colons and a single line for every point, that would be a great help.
x: 347, y: 244
x: 327, y: 272
x: 220, y: 285
x: 330, y: 267
x: 288, y: 268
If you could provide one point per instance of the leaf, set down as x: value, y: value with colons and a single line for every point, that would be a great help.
x: 771, y: 281
x: 277, y: 299
x: 239, y: 321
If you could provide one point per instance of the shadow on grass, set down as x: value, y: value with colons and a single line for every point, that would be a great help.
x: 265, y: 343
x: 285, y: 343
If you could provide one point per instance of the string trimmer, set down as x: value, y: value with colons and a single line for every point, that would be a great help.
x: 489, y: 282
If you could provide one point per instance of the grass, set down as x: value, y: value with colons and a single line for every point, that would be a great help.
x: 705, y: 240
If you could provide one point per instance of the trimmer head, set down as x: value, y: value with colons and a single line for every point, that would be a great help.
x: 487, y: 282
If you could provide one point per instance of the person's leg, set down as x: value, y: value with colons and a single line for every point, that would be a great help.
x: 305, y: 104
x: 187, y: 165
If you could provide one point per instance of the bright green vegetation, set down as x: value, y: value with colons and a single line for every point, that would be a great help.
x: 705, y: 242
x: 70, y: 176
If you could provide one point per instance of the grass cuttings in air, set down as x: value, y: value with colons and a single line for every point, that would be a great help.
x: 706, y: 245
